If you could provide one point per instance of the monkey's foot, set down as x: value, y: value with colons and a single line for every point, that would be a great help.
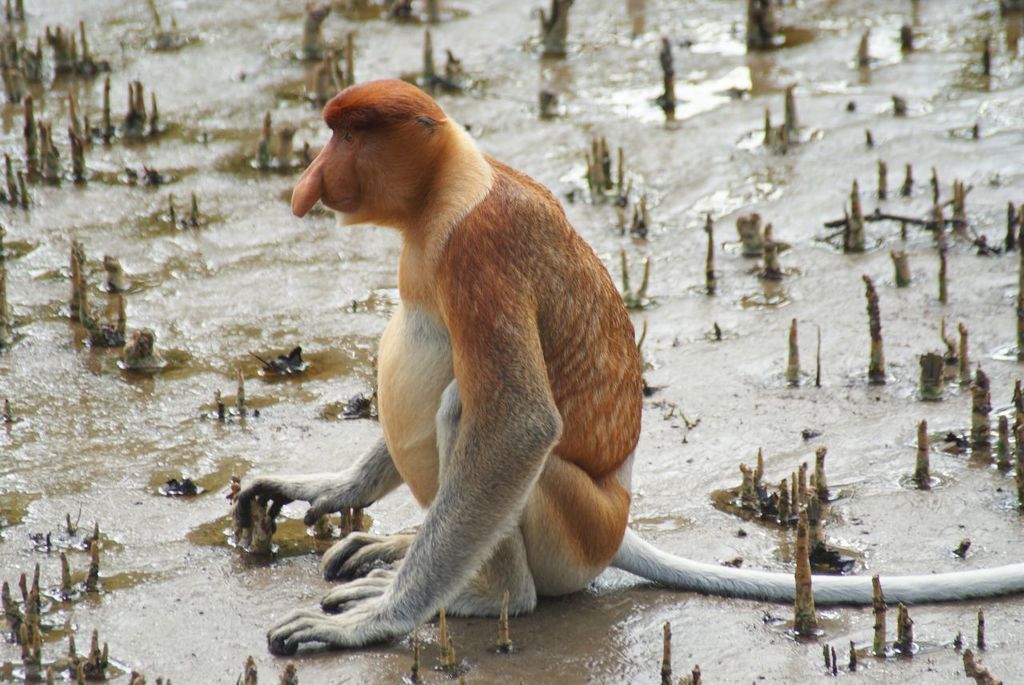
x: 362, y: 624
x: 357, y: 554
x: 344, y: 597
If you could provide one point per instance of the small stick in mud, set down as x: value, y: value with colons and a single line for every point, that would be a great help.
x: 883, y: 184
x: 154, y: 116
x: 801, y: 484
x: 934, y: 183
x: 710, y: 281
x: 748, y: 227
x: 876, y: 364
x: 981, y: 674
x: 79, y: 308
x: 667, y: 99
x: 932, y: 367
x: 817, y: 361
x: 963, y: 358
x: 1010, y: 242
x: 312, y: 42
x: 1020, y: 469
x: 899, y: 106
x: 922, y: 475
x: 77, y: 157
x: 986, y: 56
x: 429, y: 76
x: 504, y: 644
x: 107, y: 127
x: 193, y: 220
x: 263, y: 150
x: 815, y: 529
x: 1020, y: 306
x: 74, y: 122
x: 94, y: 667
x: 93, y: 578
x: 878, y: 609
x: 855, y: 225
x: 906, y: 38
x: 863, y: 52
x: 12, y: 181
x: 249, y: 673
x: 793, y: 358
x: 790, y: 122
x: 12, y: 613
x: 785, y: 510
x: 65, y: 577
x: 901, y: 266
x: 772, y: 269
x: 907, y: 189
x: 1018, y: 409
x: 904, y: 631
x: 820, y: 483
x: 442, y: 635
x: 240, y: 396
x: 49, y: 154
x: 547, y: 102
x: 116, y: 282
x: 748, y: 493
x: 554, y: 28
x: 853, y: 657
x: 805, y: 619
x: 960, y: 208
x: 289, y: 676
x: 666, y: 654
x: 981, y: 407
x: 1003, y: 462
x: 350, y: 58
x: 31, y: 135
x: 980, y: 640
x: 218, y: 400
x: 869, y: 140
x: 943, y: 281
x: 761, y: 24
x: 285, y: 145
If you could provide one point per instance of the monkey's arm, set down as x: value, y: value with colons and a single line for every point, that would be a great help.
x: 371, y: 477
x: 507, y: 427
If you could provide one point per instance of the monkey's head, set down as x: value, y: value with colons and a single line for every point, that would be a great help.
x: 378, y: 166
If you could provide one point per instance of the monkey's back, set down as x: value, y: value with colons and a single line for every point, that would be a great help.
x: 586, y: 335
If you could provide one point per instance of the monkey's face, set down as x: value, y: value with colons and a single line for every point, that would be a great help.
x: 331, y: 178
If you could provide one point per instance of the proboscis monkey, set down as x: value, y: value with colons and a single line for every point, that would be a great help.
x: 509, y: 392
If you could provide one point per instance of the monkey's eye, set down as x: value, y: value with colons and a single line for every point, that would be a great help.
x: 347, y: 137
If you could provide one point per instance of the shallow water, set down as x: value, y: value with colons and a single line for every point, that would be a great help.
x: 178, y: 601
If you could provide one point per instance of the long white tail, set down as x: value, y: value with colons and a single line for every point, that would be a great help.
x: 647, y: 561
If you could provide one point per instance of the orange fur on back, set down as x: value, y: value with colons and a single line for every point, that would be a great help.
x: 540, y: 268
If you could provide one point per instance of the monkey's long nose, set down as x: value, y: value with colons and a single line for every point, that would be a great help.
x: 308, y: 189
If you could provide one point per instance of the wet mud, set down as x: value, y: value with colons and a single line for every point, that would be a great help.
x: 93, y: 441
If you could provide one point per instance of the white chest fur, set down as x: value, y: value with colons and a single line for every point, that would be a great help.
x: 414, y: 367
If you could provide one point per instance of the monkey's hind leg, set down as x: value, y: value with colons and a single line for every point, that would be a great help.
x: 507, y: 569
x: 359, y: 553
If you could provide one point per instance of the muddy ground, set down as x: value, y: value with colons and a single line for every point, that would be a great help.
x: 96, y: 442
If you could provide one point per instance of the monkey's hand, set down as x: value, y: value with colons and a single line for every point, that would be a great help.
x: 357, y: 553
x: 370, y: 478
x: 364, y: 621
x: 325, y: 493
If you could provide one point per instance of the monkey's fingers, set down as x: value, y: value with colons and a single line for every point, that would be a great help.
x: 262, y: 490
x: 350, y: 557
x: 361, y: 626
x: 349, y: 595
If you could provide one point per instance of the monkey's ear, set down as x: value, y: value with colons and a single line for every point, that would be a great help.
x: 427, y: 123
